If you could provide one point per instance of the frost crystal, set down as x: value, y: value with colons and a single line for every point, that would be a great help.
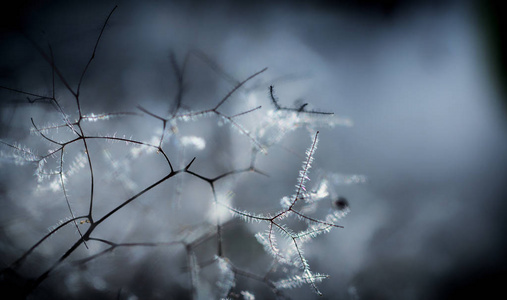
x: 247, y: 295
x: 193, y: 141
x: 226, y: 281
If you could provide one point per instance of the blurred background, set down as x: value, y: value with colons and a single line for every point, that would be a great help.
x: 422, y: 81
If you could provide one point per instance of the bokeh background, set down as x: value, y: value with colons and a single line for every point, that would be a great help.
x: 422, y: 81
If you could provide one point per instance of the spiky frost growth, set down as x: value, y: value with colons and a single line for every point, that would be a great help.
x: 281, y: 120
x: 247, y: 216
x: 301, y: 192
x: 19, y: 154
x: 290, y: 252
x: 298, y: 280
x: 90, y: 155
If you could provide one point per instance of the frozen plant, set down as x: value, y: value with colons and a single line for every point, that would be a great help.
x: 117, y: 202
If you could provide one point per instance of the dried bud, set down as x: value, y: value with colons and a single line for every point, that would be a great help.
x: 341, y: 203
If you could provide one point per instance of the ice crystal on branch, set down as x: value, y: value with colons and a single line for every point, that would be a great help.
x: 291, y: 252
x: 113, y: 191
